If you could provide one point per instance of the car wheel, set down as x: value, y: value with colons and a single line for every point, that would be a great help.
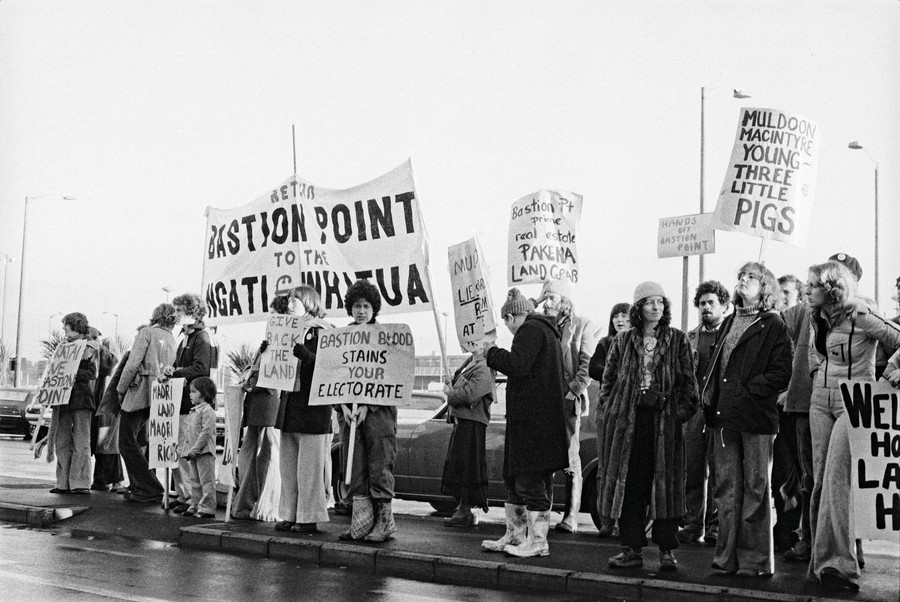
x: 444, y: 506
x: 589, y: 497
x: 338, y: 486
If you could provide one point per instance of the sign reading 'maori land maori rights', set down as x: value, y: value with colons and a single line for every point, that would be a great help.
x: 771, y: 178
x: 686, y: 235
x: 162, y: 428
x: 873, y: 411
x: 472, y: 307
x: 542, y: 230
x: 372, y: 364
x: 59, y: 376
x: 304, y: 234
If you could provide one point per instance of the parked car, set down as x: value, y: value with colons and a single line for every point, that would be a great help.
x: 33, y: 413
x: 423, y: 436
x: 13, y: 402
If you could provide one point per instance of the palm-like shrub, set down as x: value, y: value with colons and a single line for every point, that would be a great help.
x: 239, y: 359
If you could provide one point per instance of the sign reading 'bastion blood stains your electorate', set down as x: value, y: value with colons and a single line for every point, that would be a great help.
x: 542, y: 231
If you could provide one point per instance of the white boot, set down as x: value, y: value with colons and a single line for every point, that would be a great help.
x: 569, y: 522
x: 536, y: 542
x: 516, y: 522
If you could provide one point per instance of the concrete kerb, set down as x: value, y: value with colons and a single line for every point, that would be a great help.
x: 522, y: 576
x: 412, y: 565
x: 609, y: 587
x: 36, y: 515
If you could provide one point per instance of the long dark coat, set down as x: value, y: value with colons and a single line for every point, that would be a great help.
x: 535, y: 427
x: 673, y: 375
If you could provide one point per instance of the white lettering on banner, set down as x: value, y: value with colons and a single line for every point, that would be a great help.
x: 472, y: 307
x: 321, y: 237
x: 686, y: 235
x: 873, y: 413
x: 542, y: 231
x: 59, y: 376
x: 162, y: 427
x: 372, y: 364
x: 770, y: 183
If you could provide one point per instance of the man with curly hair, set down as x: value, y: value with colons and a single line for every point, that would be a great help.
x: 701, y: 519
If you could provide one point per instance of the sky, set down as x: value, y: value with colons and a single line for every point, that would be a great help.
x: 147, y: 113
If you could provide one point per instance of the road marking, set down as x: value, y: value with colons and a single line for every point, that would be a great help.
x: 97, y: 591
x: 96, y: 551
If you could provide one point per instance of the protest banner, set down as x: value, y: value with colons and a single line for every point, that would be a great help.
x: 771, y: 179
x: 686, y: 235
x: 873, y: 411
x: 473, y: 310
x: 304, y: 234
x: 162, y: 428
x: 371, y: 363
x: 59, y: 376
x: 542, y: 230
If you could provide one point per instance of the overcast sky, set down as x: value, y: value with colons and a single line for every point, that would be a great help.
x: 150, y: 112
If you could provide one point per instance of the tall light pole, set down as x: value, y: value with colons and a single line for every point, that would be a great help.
x: 735, y: 94
x: 22, y: 280
x: 117, y: 321
x: 167, y: 290
x: 6, y: 259
x: 50, y: 325
x: 857, y: 146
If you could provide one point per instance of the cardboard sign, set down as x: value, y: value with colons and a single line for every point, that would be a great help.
x: 686, y: 235
x: 771, y: 179
x: 473, y: 310
x: 277, y: 365
x: 226, y: 462
x: 162, y: 428
x: 59, y: 376
x: 304, y: 234
x: 873, y: 410
x: 542, y: 231
x: 372, y: 364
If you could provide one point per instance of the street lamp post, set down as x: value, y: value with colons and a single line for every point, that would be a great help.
x: 735, y: 94
x: 50, y: 324
x: 22, y: 280
x: 857, y: 146
x: 6, y: 259
x: 167, y: 290
x: 117, y: 321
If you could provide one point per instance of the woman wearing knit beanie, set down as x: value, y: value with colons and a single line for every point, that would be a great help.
x: 648, y: 391
x: 751, y: 364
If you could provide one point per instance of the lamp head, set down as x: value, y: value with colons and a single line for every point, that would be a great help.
x: 855, y: 145
x: 738, y: 94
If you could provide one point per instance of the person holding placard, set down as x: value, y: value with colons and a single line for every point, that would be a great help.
x: 305, y: 430
x: 153, y: 348
x: 750, y: 366
x: 578, y: 340
x: 535, y: 443
x: 845, y: 333
x: 619, y: 321
x: 649, y: 390
x: 375, y: 448
x: 73, y: 420
x: 470, y: 394
x: 107, y: 462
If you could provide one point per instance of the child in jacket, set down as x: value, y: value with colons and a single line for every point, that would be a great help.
x: 202, y: 451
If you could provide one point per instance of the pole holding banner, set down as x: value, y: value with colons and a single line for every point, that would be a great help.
x: 684, y: 293
x: 351, y: 446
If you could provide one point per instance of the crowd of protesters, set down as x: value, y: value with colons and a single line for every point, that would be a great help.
x: 702, y: 433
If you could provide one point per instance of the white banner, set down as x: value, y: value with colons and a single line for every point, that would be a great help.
x: 300, y: 233
x: 686, y: 235
x: 59, y: 376
x: 371, y: 363
x: 162, y: 428
x: 873, y: 410
x: 473, y: 310
x: 771, y: 179
x: 542, y: 230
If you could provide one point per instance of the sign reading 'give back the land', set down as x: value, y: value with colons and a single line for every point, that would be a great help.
x: 873, y: 413
x: 56, y: 384
x: 372, y: 364
x: 542, y: 230
x: 771, y: 179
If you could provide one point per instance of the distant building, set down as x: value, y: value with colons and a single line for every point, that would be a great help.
x: 428, y: 370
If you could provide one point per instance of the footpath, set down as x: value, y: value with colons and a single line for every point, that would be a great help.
x: 425, y: 550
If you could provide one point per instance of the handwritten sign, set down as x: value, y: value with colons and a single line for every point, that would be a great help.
x: 686, y: 235
x: 226, y: 461
x: 873, y: 411
x: 162, y: 428
x: 771, y: 178
x: 372, y: 364
x: 542, y: 231
x: 278, y: 366
x: 472, y: 307
x: 59, y: 376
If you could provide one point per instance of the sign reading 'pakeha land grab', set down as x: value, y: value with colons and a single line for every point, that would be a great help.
x: 59, y: 376
x: 686, y: 235
x: 542, y: 231
x: 771, y: 179
x: 372, y: 364
x: 873, y: 413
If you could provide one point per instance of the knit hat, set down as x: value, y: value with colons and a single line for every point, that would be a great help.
x: 849, y: 261
x: 563, y: 288
x: 648, y: 289
x: 516, y: 304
